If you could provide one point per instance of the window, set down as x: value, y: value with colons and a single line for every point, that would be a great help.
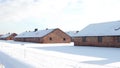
x: 64, y: 39
x: 83, y: 39
x: 99, y: 39
x: 38, y: 38
x: 118, y: 39
x: 24, y: 39
x: 50, y: 38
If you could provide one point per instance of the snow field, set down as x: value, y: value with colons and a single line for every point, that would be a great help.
x: 36, y: 56
x: 2, y: 66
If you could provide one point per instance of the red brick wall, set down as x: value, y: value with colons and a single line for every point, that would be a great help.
x: 30, y: 39
x: 11, y: 37
x: 57, y: 37
x: 107, y: 41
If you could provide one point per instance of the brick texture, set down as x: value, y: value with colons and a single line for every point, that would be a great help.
x: 107, y: 41
x: 57, y: 36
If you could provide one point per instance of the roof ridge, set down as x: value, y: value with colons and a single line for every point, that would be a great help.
x: 101, y: 29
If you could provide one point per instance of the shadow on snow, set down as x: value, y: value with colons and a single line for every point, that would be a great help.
x: 10, y: 62
x: 111, y: 54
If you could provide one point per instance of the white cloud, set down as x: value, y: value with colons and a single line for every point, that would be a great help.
x: 91, y: 10
x: 66, y: 14
x: 102, y: 10
x: 14, y: 9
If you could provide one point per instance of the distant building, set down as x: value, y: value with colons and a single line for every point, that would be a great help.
x: 8, y: 36
x: 44, y: 36
x: 72, y: 34
x: 0, y: 35
x: 101, y: 34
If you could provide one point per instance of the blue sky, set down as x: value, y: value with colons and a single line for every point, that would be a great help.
x: 26, y: 15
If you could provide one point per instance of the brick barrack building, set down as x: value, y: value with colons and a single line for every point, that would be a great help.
x: 44, y: 36
x: 8, y: 36
x: 101, y: 34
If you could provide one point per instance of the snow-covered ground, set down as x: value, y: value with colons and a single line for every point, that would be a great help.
x: 33, y: 55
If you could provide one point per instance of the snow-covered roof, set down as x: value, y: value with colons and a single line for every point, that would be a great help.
x: 72, y: 33
x: 101, y: 29
x: 39, y: 33
x: 6, y: 35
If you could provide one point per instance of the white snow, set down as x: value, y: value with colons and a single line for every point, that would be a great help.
x: 101, y: 29
x: 72, y: 33
x: 2, y: 66
x: 39, y: 33
x: 34, y: 55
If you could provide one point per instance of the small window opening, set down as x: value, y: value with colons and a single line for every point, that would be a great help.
x: 64, y: 39
x: 118, y: 39
x: 50, y: 38
x: 99, y: 39
x: 83, y: 39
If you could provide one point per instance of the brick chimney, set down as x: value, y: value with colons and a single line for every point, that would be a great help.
x: 46, y: 28
x: 35, y: 30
